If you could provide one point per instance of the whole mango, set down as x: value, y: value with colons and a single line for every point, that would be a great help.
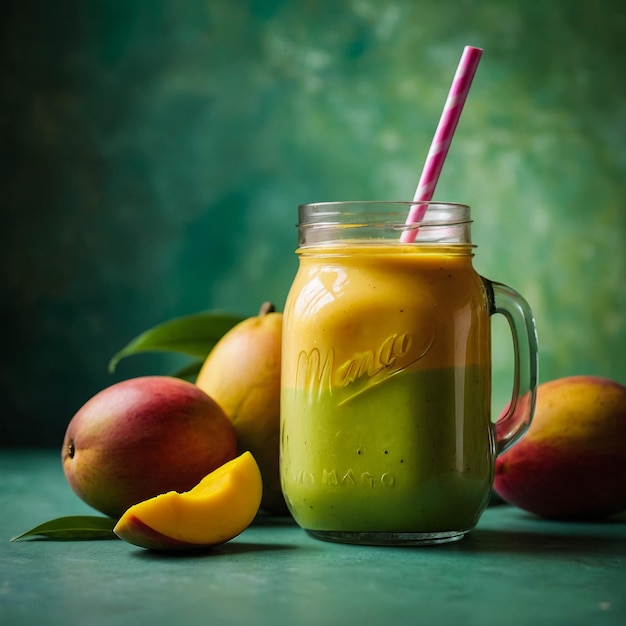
x: 242, y: 374
x: 142, y: 437
x: 572, y: 461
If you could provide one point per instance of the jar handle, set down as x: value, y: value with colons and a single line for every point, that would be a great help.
x: 511, y: 426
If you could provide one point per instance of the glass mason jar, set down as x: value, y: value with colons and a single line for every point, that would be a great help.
x: 386, y: 429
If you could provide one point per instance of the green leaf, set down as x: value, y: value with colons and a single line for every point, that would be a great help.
x: 189, y: 372
x: 77, y: 527
x: 193, y: 335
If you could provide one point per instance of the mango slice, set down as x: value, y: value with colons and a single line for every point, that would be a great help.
x: 221, y: 506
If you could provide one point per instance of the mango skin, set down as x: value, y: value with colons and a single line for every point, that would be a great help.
x: 142, y: 437
x: 220, y: 507
x: 132, y: 530
x: 571, y: 464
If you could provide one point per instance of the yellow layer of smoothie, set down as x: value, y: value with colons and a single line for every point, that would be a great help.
x: 386, y: 390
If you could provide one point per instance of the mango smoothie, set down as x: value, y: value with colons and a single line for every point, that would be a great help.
x: 385, y: 405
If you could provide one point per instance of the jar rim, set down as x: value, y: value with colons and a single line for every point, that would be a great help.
x: 407, y: 203
x: 382, y: 211
x: 382, y: 220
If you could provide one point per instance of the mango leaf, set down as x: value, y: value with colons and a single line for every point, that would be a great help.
x: 189, y: 372
x: 73, y: 527
x: 193, y: 335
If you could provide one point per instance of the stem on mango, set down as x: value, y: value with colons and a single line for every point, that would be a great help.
x: 266, y: 307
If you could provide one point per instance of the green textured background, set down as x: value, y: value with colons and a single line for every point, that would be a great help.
x: 153, y: 154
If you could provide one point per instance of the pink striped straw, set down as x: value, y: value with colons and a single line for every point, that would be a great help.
x: 443, y: 137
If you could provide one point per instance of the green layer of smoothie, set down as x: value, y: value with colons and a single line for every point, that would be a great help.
x: 413, y: 454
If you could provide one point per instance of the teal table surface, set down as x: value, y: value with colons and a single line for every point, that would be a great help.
x: 512, y: 569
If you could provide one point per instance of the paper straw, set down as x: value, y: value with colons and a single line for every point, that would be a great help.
x: 443, y: 137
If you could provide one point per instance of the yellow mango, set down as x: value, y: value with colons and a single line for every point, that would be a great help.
x: 242, y: 374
